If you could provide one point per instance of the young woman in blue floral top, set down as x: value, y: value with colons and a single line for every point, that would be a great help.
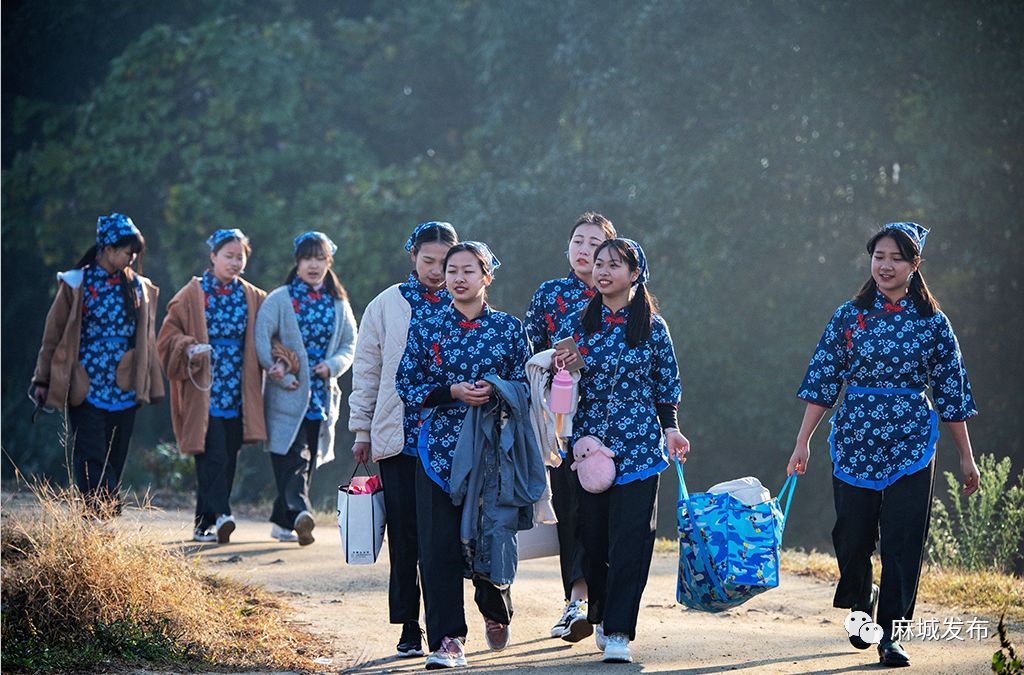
x: 887, y: 346
x: 629, y: 395
x: 550, y: 317
x: 440, y: 375
x: 208, y: 352
x: 377, y: 416
x: 305, y: 339
x: 98, y: 357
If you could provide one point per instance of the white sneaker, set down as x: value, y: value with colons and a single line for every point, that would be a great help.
x: 599, y: 637
x: 303, y: 527
x: 617, y: 649
x: 281, y: 534
x: 559, y: 628
x: 224, y: 527
x: 450, y: 655
x: 577, y: 626
x: 204, y: 535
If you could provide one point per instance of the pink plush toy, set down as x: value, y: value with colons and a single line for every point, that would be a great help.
x: 594, y: 464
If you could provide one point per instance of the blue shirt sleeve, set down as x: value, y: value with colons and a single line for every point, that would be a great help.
x: 412, y: 380
x: 521, y: 353
x: 536, y: 325
x: 664, y: 367
x: 950, y: 387
x: 825, y: 372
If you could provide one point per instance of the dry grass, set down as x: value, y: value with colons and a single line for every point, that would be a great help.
x: 77, y: 593
x: 985, y: 594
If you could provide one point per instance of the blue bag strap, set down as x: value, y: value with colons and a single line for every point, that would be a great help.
x: 704, y: 558
x: 683, y: 493
x: 790, y: 485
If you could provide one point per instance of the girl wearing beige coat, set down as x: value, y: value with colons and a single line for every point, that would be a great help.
x: 377, y: 414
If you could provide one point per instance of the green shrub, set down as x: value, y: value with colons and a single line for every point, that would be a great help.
x: 983, y: 531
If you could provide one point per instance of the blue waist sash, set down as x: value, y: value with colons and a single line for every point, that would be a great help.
x: 226, y: 342
x: 887, y: 391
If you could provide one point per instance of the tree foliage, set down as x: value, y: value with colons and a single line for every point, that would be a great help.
x: 752, y: 147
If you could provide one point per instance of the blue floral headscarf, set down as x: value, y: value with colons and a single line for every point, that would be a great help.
x: 331, y: 247
x: 219, y: 236
x: 641, y: 258
x: 411, y: 241
x: 916, y: 233
x: 485, y: 250
x: 111, y: 229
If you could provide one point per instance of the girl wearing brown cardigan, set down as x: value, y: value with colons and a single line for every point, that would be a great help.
x: 208, y: 353
x: 97, y: 360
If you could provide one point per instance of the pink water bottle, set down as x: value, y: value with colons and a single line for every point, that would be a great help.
x: 560, y: 400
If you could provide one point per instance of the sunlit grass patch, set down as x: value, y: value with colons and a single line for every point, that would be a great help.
x: 79, y: 592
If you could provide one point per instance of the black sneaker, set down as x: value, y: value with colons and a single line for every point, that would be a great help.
x: 411, y: 642
x: 892, y: 654
x: 872, y: 605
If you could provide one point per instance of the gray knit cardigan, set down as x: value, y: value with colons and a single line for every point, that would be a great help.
x: 286, y: 409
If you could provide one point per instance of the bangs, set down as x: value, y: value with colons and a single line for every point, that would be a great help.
x: 313, y: 247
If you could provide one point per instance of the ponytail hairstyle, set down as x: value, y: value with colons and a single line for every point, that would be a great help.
x: 923, y: 300
x: 430, y: 233
x: 593, y: 218
x: 315, y: 247
x: 642, y: 307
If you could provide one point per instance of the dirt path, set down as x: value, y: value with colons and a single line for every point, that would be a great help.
x: 792, y: 629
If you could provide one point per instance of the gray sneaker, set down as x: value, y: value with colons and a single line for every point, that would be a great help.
x: 617, y: 649
x: 599, y: 637
x: 281, y: 534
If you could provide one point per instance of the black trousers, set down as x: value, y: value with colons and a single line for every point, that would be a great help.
x: 897, y: 516
x: 99, y: 450
x: 441, y: 567
x: 618, y: 528
x: 398, y: 475
x: 565, y: 489
x: 215, y: 469
x: 293, y: 472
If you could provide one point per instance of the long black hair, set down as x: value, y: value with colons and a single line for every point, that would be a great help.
x: 314, y: 247
x: 126, y: 276
x: 434, y: 234
x: 642, y: 307
x: 918, y: 291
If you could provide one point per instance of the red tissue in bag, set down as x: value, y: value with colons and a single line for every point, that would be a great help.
x: 364, y: 485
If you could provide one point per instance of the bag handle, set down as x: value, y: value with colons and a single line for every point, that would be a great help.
x: 683, y: 493
x: 790, y: 485
x: 354, y: 472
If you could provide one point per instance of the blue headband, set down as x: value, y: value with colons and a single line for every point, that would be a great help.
x: 485, y: 250
x: 222, y: 235
x: 110, y: 229
x: 916, y: 233
x: 331, y: 248
x: 641, y: 261
x: 411, y: 241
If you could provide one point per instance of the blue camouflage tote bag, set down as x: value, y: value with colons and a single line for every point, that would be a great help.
x: 728, y: 551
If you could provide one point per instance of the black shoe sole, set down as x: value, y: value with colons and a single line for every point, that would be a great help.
x: 858, y: 643
x: 578, y: 630
x: 224, y: 532
x: 409, y: 652
x: 304, y: 530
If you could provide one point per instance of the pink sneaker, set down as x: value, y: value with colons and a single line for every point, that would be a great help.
x: 450, y: 655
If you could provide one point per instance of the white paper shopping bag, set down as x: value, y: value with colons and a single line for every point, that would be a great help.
x: 361, y: 519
